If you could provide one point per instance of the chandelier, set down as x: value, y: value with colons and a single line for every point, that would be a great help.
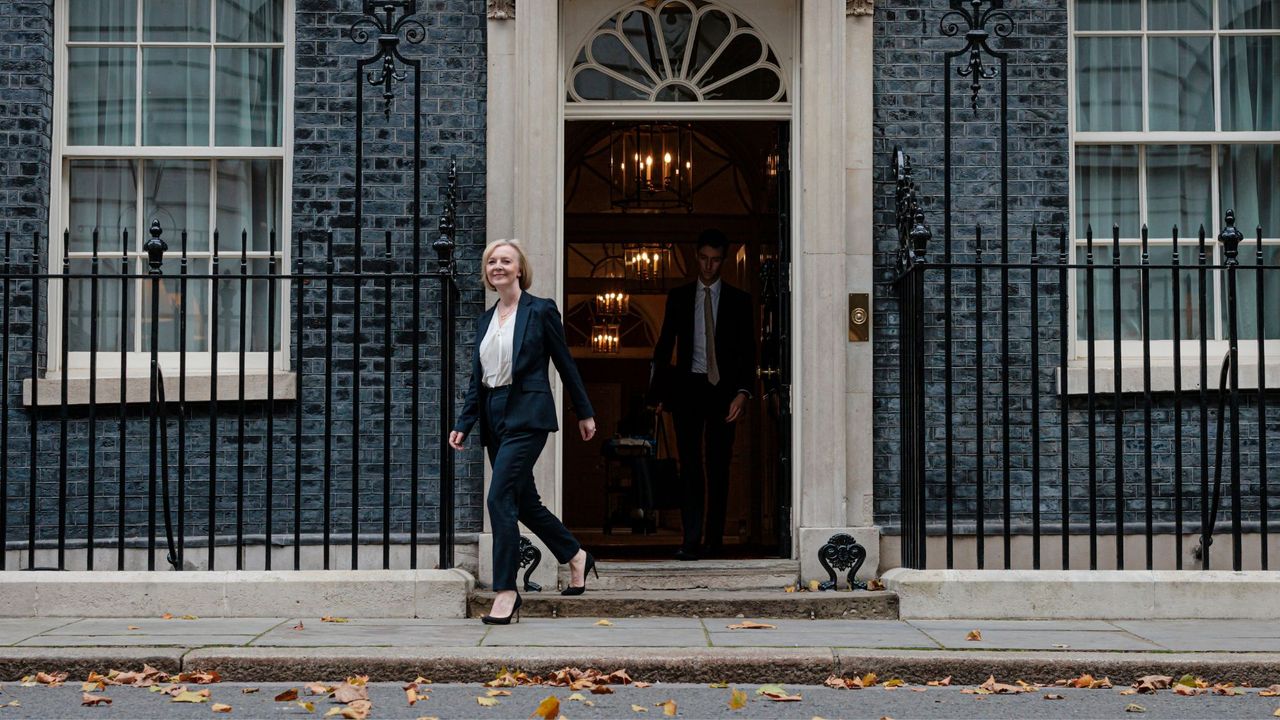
x: 614, y: 303
x: 646, y: 262
x: 651, y: 166
x: 606, y: 337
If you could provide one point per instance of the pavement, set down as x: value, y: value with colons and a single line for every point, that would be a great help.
x: 659, y: 649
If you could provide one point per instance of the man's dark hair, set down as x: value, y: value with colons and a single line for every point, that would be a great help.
x: 713, y: 238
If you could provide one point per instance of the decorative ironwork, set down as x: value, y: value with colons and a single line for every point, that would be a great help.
x: 448, y: 226
x: 842, y: 552
x: 531, y: 556
x: 388, y: 29
x: 977, y: 38
x: 913, y: 233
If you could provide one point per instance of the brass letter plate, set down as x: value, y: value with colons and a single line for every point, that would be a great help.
x: 859, y: 317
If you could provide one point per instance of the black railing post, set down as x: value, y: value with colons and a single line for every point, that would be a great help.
x: 5, y: 270
x: 447, y: 270
x: 1231, y: 237
x: 155, y: 248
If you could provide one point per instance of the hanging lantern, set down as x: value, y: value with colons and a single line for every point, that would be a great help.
x: 651, y: 166
x: 647, y: 262
x: 606, y: 337
x: 613, y: 304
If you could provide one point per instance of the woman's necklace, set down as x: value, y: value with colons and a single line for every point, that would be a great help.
x: 502, y: 316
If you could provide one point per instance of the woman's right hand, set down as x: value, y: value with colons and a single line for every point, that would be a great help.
x: 456, y: 439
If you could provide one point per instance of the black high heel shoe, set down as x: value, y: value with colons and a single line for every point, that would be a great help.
x: 515, y: 612
x: 589, y: 566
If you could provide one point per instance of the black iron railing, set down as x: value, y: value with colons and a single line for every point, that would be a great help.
x: 998, y: 441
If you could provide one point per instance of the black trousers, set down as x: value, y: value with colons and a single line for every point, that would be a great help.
x: 514, y: 497
x: 704, y: 477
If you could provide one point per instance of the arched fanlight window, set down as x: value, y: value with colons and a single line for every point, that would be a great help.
x: 676, y: 51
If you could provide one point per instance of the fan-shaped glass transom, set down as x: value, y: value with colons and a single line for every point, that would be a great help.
x: 676, y: 51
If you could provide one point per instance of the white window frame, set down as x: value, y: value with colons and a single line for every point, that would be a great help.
x: 1131, y: 351
x: 198, y: 362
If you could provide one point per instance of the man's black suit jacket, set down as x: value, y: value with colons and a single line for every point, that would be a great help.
x: 735, y: 345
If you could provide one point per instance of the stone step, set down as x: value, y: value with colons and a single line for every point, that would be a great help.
x: 731, y: 575
x: 755, y: 604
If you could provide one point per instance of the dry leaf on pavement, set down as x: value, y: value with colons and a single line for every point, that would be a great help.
x: 668, y: 707
x: 220, y: 707
x: 892, y: 683
x: 167, y: 616
x: 1134, y: 708
x: 191, y: 696
x: 199, y: 677
x: 346, y: 693
x: 487, y: 701
x: 997, y: 688
x: 974, y: 635
x: 548, y: 709
x: 737, y: 700
x: 1188, y: 690
x: 299, y: 626
x: 749, y: 625
x: 601, y: 690
x: 639, y: 708
x: 944, y: 682
x: 604, y: 623
x: 94, y: 700
x: 317, y: 689
x: 332, y: 619
x: 308, y: 706
x: 498, y: 693
x: 1148, y: 684
x: 248, y: 691
x: 1270, y: 691
x: 288, y: 695
x: 639, y: 684
x: 134, y: 627
x: 1054, y: 696
x: 875, y: 584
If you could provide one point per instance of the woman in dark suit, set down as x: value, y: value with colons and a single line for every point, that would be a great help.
x: 510, y: 396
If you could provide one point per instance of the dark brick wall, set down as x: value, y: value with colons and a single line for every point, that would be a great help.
x: 910, y: 112
x: 323, y: 200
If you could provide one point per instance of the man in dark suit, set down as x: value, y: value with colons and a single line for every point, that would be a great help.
x: 708, y: 324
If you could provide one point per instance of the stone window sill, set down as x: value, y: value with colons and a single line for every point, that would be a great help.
x: 138, y: 388
x: 1162, y: 376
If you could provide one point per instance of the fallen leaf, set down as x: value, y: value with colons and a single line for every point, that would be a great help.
x: 1274, y: 714
x: 577, y: 697
x: 220, y: 707
x: 548, y: 709
x: 330, y: 618
x: 814, y: 585
x: 1226, y: 689
x: 1130, y: 691
x: 875, y: 584
x: 51, y: 679
x: 944, y: 682
x: 894, y: 683
x: 974, y: 635
x: 288, y: 695
x: 789, y: 589
x: 639, y: 708
x: 737, y: 700
x: 668, y: 707
x: 191, y: 696
x: 167, y: 616
x: 248, y: 691
x: 94, y: 700
x: 641, y: 684
x: 1134, y: 708
x: 1054, y: 696
x: 487, y: 701
x: 91, y: 686
x: 358, y: 680
x: 1061, y: 646
x: 997, y: 688
x: 347, y: 693
x: 604, y: 623
x: 750, y: 625
x: 718, y: 685
x: 601, y: 690
x: 1188, y: 690
x: 200, y: 677
x: 134, y: 627
x: 308, y: 706
x: 411, y: 694
x: 189, y: 617
x: 299, y: 626
x: 498, y: 693
x: 1270, y: 691
x: 1148, y: 684
x: 317, y: 689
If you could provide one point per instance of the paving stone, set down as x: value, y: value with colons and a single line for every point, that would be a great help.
x: 821, y: 633
x: 13, y: 630
x: 154, y: 626
x: 369, y: 634
x: 140, y: 640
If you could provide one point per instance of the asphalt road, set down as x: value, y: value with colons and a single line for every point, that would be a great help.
x: 692, y: 701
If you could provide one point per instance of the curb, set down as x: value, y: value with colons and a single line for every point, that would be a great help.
x: 672, y: 664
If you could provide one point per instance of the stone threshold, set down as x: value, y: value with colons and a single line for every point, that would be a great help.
x: 835, y: 604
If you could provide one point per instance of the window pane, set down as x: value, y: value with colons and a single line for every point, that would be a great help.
x: 1181, y: 89
x: 111, y: 288
x: 1250, y: 175
x: 175, y: 104
x: 1109, y: 83
x: 176, y: 193
x: 248, y: 107
x: 1165, y: 308
x: 103, y: 20
x: 102, y: 199
x: 255, y: 291
x: 1250, y: 95
x: 1107, y: 190
x: 1108, y: 15
x: 675, y: 22
x: 249, y: 197
x: 1247, y: 289
x: 171, y: 309
x: 250, y: 21
x: 100, y: 96
x: 1179, y: 189
x: 1250, y: 14
x: 175, y: 20
x: 1178, y: 14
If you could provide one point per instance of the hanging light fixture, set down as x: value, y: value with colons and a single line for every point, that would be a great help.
x: 647, y: 262
x: 651, y: 166
x: 606, y: 337
x: 612, y: 304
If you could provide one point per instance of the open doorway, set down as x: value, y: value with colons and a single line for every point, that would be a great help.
x: 625, y: 249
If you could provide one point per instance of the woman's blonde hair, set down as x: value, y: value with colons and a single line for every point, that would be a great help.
x: 526, y: 272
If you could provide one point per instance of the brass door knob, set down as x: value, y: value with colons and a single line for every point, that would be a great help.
x: 763, y: 373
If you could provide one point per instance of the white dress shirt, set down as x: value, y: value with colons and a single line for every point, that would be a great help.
x: 496, y: 349
x: 699, y: 363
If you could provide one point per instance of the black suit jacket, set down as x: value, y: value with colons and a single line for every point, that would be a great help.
x: 538, y: 337
x: 735, y: 344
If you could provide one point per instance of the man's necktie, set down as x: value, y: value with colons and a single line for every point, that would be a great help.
x: 709, y: 331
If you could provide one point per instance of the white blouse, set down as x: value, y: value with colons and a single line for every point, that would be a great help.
x: 496, y: 349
